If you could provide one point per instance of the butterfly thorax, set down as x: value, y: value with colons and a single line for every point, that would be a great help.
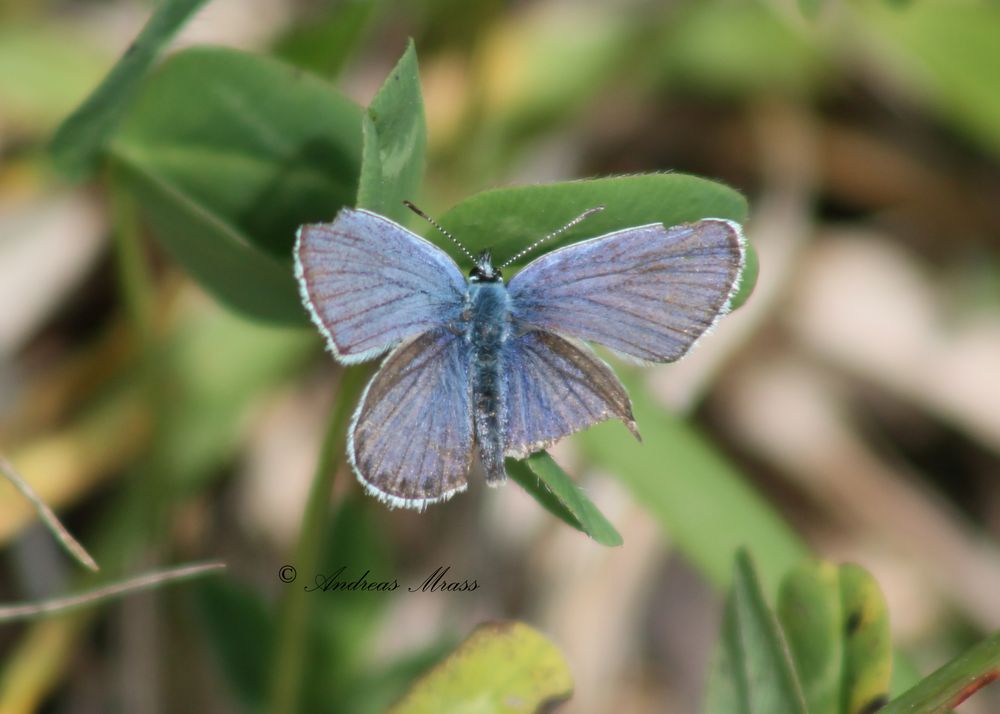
x: 486, y: 331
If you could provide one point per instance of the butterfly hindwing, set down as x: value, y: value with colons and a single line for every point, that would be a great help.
x: 411, y: 439
x: 370, y: 284
x: 555, y: 388
x: 648, y: 292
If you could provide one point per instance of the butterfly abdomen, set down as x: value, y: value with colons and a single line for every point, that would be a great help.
x: 487, y: 331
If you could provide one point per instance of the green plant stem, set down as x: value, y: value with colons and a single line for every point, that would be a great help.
x: 134, y: 279
x: 953, y: 683
x: 79, y: 140
x: 290, y: 649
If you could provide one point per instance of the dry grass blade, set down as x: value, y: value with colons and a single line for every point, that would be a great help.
x: 26, y: 611
x: 71, y: 544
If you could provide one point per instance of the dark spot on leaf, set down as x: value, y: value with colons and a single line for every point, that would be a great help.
x: 497, y: 627
x: 130, y: 50
x: 874, y: 705
x: 853, y: 623
x: 551, y: 705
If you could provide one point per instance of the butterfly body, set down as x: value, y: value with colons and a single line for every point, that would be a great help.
x: 477, y: 367
x: 487, y: 333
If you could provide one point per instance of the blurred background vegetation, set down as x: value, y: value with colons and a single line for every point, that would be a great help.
x: 849, y: 409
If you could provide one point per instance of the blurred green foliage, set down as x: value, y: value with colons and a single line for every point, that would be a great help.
x: 837, y: 625
x: 827, y: 651
x: 227, y: 152
x: 78, y: 144
x: 483, y: 676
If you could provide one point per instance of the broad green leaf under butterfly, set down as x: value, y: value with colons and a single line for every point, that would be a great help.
x: 540, y: 476
x: 836, y: 623
x: 228, y: 153
x: 752, y: 672
x: 80, y: 139
x: 501, y: 668
x: 506, y: 220
x: 395, y: 141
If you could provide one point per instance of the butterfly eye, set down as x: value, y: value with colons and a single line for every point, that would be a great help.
x: 483, y: 271
x: 485, y: 274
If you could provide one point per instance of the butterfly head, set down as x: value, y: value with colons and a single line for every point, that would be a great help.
x: 484, y: 272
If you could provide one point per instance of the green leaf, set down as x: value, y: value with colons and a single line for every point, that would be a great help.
x: 752, y: 672
x: 811, y: 615
x: 501, y: 667
x: 240, y: 630
x: 507, y: 220
x: 395, y: 141
x: 953, y: 683
x: 748, y: 281
x: 699, y: 497
x: 374, y: 690
x: 867, y: 642
x: 540, y: 476
x: 80, y: 139
x: 837, y: 626
x: 228, y: 153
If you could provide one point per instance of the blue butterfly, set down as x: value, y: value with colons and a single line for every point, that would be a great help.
x: 479, y: 366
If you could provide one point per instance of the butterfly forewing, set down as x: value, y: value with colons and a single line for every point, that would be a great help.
x: 648, y: 292
x: 411, y: 439
x: 370, y: 283
x: 555, y: 388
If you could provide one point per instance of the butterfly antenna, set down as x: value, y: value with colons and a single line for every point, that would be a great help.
x: 586, y: 214
x: 438, y: 226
